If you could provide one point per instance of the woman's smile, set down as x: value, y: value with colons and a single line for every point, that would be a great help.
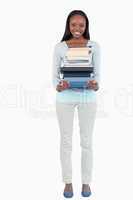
x: 76, y: 34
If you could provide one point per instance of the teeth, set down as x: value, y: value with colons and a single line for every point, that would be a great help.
x: 77, y: 33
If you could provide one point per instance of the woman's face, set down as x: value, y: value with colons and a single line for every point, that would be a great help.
x: 77, y: 26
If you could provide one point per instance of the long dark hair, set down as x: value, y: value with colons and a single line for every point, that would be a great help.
x: 67, y: 34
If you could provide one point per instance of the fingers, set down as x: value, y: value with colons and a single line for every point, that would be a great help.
x: 93, y: 85
x: 65, y: 85
x: 62, y: 85
x: 93, y: 82
x: 59, y: 88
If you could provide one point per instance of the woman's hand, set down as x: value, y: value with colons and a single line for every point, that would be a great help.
x: 93, y: 85
x: 62, y: 86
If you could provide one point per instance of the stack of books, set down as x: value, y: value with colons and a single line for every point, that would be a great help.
x: 77, y: 66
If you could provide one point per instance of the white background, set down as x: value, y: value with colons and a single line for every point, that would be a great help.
x: 29, y: 133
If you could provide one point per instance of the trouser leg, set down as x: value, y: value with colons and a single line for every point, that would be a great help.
x: 65, y: 115
x: 86, y: 115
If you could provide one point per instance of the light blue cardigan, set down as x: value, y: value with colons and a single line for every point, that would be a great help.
x: 74, y: 95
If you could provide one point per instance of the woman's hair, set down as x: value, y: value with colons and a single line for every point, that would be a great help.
x: 67, y: 35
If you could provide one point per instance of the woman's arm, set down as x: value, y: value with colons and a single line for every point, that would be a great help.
x: 94, y: 84
x: 56, y: 66
x: 57, y: 83
x: 96, y: 62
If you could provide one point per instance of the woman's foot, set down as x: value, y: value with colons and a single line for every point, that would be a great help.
x: 68, y: 190
x: 86, y: 191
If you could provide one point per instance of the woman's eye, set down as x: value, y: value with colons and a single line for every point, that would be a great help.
x: 78, y: 25
x: 81, y: 25
x: 73, y: 24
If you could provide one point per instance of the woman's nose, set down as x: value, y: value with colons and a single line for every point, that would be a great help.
x: 77, y: 29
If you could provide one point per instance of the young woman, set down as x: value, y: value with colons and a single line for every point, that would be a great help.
x: 67, y: 99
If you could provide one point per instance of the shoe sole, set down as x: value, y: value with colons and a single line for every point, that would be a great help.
x: 86, y: 194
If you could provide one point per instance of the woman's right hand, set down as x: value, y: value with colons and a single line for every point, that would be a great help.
x: 62, y: 86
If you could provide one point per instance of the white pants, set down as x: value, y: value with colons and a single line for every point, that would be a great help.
x: 86, y: 116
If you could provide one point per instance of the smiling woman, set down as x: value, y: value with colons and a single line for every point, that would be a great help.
x: 79, y: 57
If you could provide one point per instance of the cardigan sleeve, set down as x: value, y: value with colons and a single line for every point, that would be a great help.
x: 96, y: 62
x: 56, y: 65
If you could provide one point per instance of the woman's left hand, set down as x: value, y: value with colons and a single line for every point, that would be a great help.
x: 93, y: 85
